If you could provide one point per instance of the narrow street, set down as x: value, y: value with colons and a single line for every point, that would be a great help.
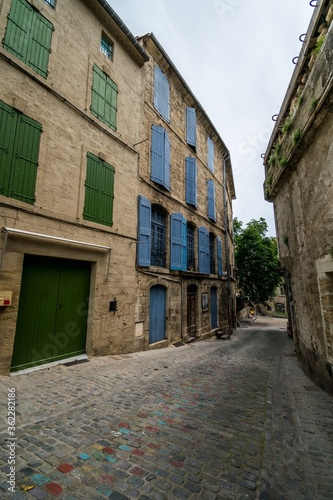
x: 219, y: 419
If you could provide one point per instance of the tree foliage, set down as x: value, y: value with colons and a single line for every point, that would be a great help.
x: 256, y: 258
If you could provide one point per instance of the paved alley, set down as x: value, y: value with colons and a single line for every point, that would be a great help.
x: 219, y: 419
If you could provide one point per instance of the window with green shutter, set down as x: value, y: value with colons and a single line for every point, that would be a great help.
x: 28, y: 36
x: 19, y: 151
x: 104, y: 98
x: 99, y: 194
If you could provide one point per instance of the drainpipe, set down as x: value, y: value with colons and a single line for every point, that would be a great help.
x: 226, y: 225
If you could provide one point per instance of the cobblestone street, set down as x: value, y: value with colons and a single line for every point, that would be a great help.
x: 219, y: 419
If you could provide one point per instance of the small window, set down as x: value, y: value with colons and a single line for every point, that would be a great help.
x: 51, y: 3
x: 106, y: 47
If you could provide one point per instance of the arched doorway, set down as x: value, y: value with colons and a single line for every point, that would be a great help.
x: 157, y: 314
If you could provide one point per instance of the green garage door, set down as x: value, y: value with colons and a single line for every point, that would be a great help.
x: 53, y: 310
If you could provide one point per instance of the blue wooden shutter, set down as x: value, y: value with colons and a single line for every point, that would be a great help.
x: 161, y: 93
x: 178, y: 242
x: 144, y: 232
x: 191, y: 181
x: 157, y: 154
x: 219, y: 256
x: 166, y: 172
x: 191, y: 125
x: 203, y: 250
x: 211, y: 200
x: 210, y: 149
x: 160, y: 156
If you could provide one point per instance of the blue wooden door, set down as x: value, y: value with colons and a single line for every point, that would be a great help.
x: 157, y: 314
x: 213, y: 306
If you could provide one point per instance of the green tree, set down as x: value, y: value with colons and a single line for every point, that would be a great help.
x: 256, y: 258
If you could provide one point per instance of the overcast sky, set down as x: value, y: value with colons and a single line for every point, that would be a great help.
x: 236, y: 56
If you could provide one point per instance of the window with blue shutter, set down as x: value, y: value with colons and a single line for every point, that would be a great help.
x: 191, y: 127
x: 160, y: 156
x: 219, y: 256
x: 211, y: 253
x: 178, y: 253
x: 144, y: 232
x: 28, y: 36
x: 99, y: 194
x: 190, y: 247
x: 19, y: 152
x: 161, y: 93
x: 104, y: 98
x: 203, y: 250
x: 158, y: 254
x: 210, y: 149
x: 191, y: 181
x: 211, y: 200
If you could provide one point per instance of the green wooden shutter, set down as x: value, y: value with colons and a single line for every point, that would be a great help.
x: 28, y: 36
x: 25, y: 159
x: 19, y: 151
x: 104, y: 98
x: 8, y: 119
x: 39, y: 46
x: 99, y: 195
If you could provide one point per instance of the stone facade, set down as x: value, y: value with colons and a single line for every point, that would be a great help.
x: 186, y: 288
x: 61, y: 103
x: 299, y: 181
x: 53, y: 225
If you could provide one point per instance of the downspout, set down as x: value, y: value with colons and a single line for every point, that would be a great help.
x: 227, y: 253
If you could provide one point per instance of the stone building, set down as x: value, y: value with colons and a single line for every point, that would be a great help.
x: 299, y: 181
x: 70, y: 104
x: 185, y: 252
x: 74, y: 159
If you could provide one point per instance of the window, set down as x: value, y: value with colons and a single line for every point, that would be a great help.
x: 191, y: 181
x: 211, y: 200
x: 157, y: 257
x: 191, y: 125
x: 190, y: 247
x: 104, y: 98
x: 19, y: 151
x: 28, y: 36
x: 210, y: 149
x: 211, y: 253
x: 106, y: 47
x: 160, y: 157
x: 98, y: 203
x: 178, y: 255
x: 51, y: 2
x: 203, y: 250
x: 219, y: 256
x: 161, y: 93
